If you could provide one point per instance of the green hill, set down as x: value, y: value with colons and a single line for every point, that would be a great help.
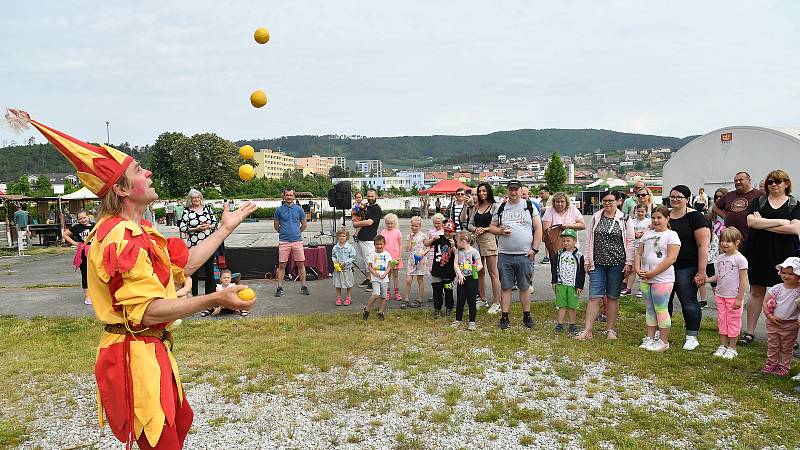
x: 408, y: 150
x: 393, y: 151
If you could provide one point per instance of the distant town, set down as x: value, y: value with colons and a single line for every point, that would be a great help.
x: 619, y: 167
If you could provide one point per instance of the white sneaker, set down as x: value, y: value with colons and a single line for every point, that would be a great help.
x: 87, y: 301
x: 647, y: 341
x: 730, y: 353
x: 796, y: 377
x: 456, y: 324
x: 494, y: 309
x: 720, y: 351
x: 659, y: 346
x: 479, y: 303
x: 657, y: 335
x: 472, y: 326
x: 691, y: 343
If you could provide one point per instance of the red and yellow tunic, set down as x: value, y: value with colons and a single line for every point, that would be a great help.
x: 139, y: 387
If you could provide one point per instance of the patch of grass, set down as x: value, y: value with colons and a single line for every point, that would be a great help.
x: 43, y: 286
x: 217, y: 421
x: 526, y: 440
x: 12, y: 433
x: 452, y: 395
x: 441, y: 415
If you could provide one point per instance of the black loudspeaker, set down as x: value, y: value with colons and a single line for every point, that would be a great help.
x: 343, y: 193
x: 332, y: 197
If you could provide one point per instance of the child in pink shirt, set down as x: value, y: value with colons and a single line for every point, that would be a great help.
x: 731, y: 278
x: 782, y: 313
x: 394, y: 244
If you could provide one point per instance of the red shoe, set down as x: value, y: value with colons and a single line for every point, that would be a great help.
x: 347, y: 301
x: 781, y: 371
x: 338, y: 301
x: 397, y: 296
x: 769, y: 368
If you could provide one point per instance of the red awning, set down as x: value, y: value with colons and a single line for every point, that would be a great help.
x: 445, y: 187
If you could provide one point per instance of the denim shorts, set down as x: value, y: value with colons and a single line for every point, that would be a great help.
x: 514, y: 269
x: 605, y: 281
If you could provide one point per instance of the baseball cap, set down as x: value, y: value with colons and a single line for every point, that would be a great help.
x: 514, y: 184
x: 449, y: 226
x: 570, y: 232
x: 793, y: 262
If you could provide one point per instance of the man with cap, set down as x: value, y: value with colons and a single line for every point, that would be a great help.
x: 519, y: 229
x: 131, y: 283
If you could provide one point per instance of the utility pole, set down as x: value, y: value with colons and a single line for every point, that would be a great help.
x: 108, y: 135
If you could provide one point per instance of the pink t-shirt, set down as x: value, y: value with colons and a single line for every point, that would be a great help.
x: 655, y: 252
x: 727, y: 270
x: 571, y: 215
x: 785, y: 308
x: 392, y: 242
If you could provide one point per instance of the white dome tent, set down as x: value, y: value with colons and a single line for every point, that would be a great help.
x: 712, y: 160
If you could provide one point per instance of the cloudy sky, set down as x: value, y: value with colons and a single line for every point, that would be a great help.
x: 387, y: 68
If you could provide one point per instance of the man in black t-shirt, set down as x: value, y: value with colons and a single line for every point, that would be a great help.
x: 366, y: 230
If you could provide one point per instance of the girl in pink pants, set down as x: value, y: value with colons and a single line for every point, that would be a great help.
x: 731, y: 278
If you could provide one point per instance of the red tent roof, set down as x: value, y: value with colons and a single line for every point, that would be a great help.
x: 445, y: 187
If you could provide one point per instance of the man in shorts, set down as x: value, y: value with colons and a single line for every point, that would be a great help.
x: 290, y: 222
x: 519, y: 230
x: 366, y: 230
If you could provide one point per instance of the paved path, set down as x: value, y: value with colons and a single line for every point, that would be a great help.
x: 20, y: 297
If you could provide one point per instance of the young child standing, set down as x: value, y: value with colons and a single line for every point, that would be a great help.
x: 416, y: 262
x: 782, y: 313
x: 640, y: 224
x: 379, y: 266
x: 568, y: 278
x: 467, y: 264
x: 653, y: 262
x: 438, y: 229
x: 731, y: 279
x: 343, y: 254
x: 394, y: 244
x: 443, y: 271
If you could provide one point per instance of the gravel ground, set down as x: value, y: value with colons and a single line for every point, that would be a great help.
x: 372, y: 405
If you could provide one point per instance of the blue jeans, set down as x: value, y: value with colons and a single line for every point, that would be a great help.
x: 605, y: 281
x: 687, y: 294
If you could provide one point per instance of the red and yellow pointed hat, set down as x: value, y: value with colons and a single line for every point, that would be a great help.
x: 99, y: 167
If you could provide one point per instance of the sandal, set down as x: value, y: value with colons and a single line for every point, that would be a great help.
x: 611, y: 335
x: 746, y: 339
x: 206, y: 312
x: 584, y: 335
x: 244, y: 313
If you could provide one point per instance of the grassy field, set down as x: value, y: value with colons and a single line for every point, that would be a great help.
x: 605, y: 393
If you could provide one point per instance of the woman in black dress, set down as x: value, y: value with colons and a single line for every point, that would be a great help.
x: 480, y: 217
x: 774, y: 222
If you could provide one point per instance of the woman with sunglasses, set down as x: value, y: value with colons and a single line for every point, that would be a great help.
x: 690, y: 267
x: 774, y: 222
x: 645, y: 197
x: 608, y: 259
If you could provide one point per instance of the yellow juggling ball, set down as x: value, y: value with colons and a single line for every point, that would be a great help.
x: 247, y: 294
x: 258, y: 98
x: 261, y: 35
x: 247, y: 152
x: 246, y: 172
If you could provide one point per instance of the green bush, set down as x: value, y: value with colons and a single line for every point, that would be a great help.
x: 159, y: 212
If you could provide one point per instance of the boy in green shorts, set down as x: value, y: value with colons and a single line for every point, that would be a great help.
x: 569, y: 277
